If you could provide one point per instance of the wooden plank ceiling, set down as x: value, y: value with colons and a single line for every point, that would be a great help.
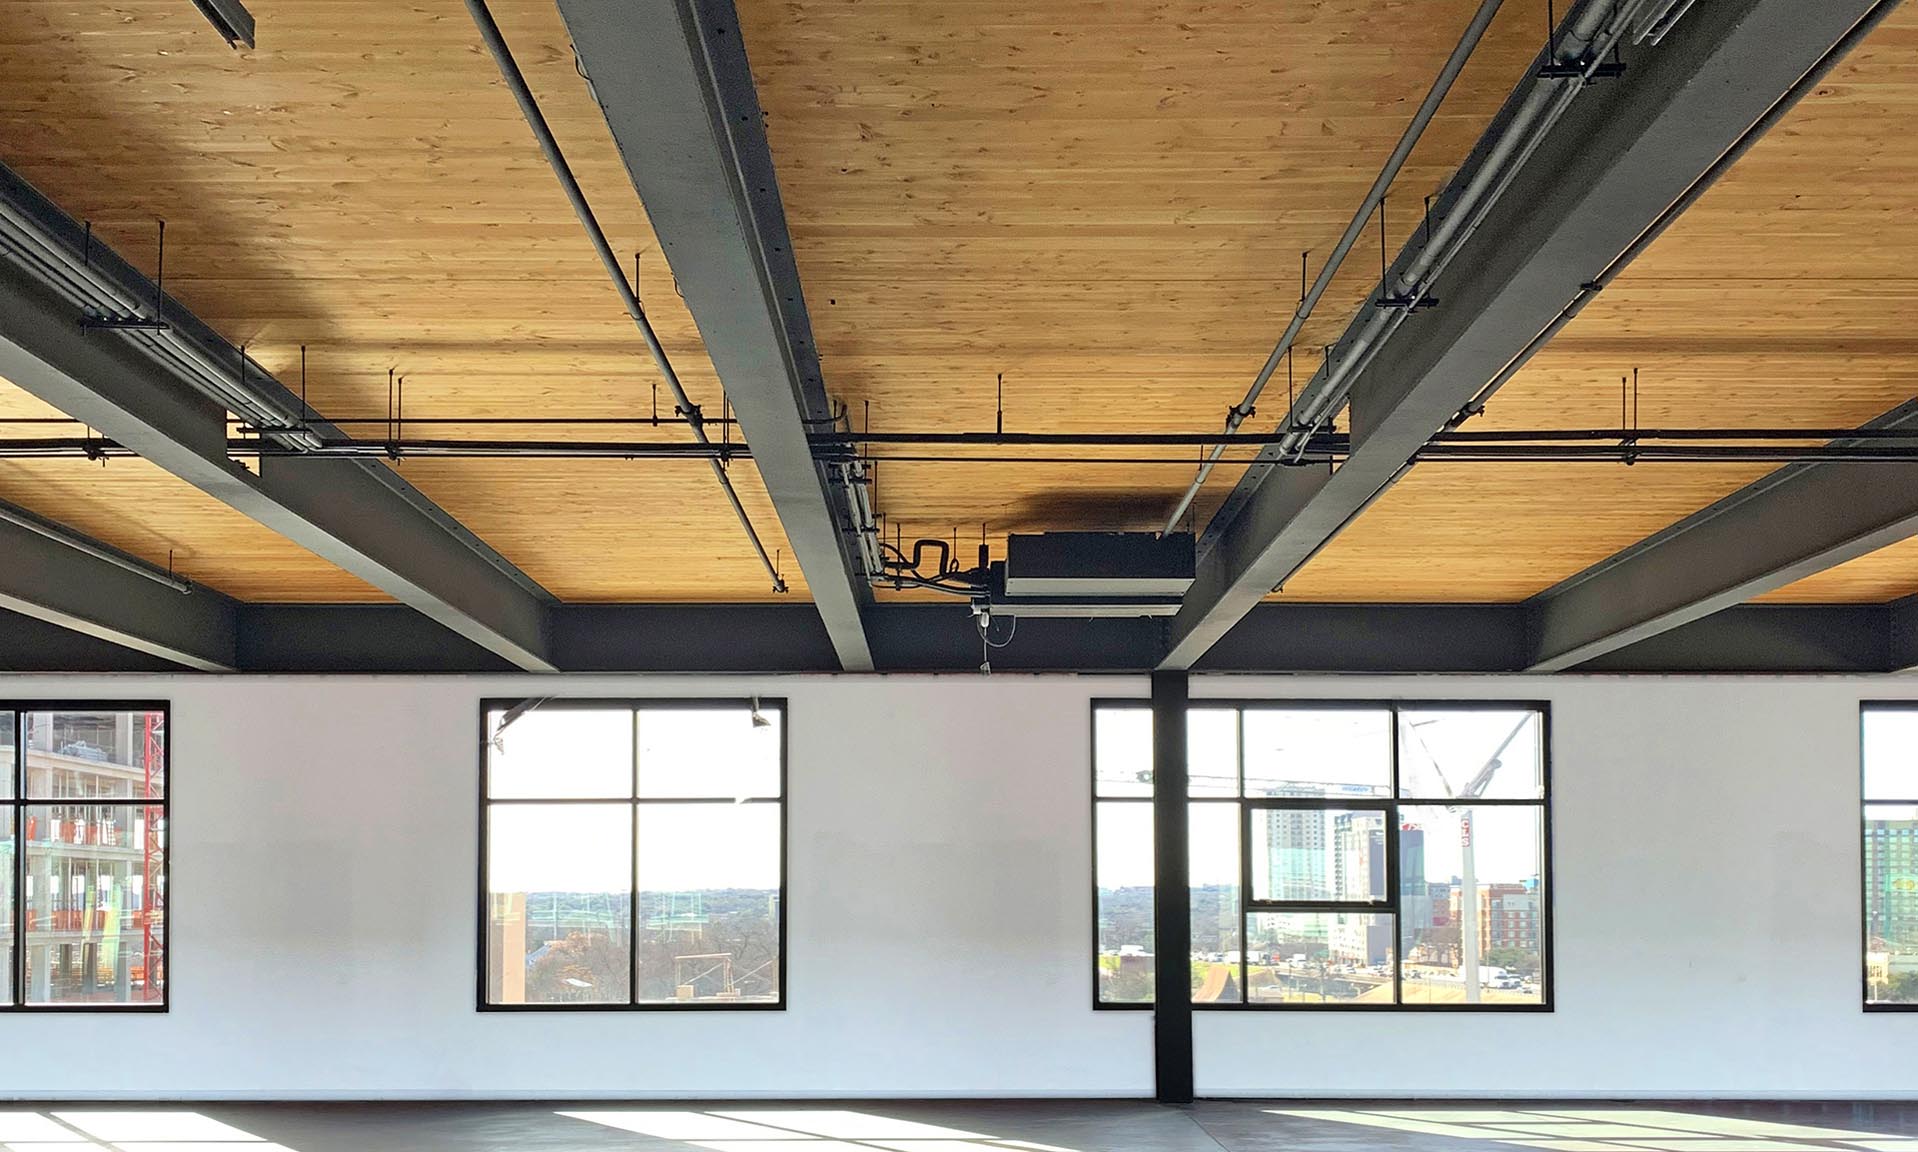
x: 364, y: 185
x: 1784, y: 298
x: 1104, y: 202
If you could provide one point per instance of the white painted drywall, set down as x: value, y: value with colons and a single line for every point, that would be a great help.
x: 940, y: 916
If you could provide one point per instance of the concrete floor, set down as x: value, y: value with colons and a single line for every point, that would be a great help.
x: 965, y: 1126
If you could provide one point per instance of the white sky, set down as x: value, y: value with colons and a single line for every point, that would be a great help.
x: 570, y: 752
x: 1891, y: 755
x: 1440, y: 752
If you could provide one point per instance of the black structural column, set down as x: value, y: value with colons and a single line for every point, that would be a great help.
x: 1172, y: 904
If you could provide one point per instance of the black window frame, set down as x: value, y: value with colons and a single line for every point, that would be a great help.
x: 20, y: 801
x: 636, y: 803
x: 1391, y: 803
x: 1865, y: 803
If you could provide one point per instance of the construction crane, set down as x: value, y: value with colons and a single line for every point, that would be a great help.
x: 1458, y: 801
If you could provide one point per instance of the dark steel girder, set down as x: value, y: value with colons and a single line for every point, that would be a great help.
x: 672, y: 79
x: 1801, y: 519
x: 1620, y: 156
x: 57, y: 583
x: 360, y: 515
x: 1378, y: 639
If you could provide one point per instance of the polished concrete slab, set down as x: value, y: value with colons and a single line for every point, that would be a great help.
x: 963, y: 1126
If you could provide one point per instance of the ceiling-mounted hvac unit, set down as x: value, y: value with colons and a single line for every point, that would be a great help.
x: 1092, y: 574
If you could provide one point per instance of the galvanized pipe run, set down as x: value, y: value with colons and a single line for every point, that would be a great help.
x: 1581, y: 44
x: 682, y: 404
x: 1624, y: 445
x: 1454, y: 64
x: 1798, y: 91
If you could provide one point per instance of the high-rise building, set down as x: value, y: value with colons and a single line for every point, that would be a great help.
x: 1415, y: 897
x: 1296, y: 856
x: 1359, y: 872
x: 1891, y: 883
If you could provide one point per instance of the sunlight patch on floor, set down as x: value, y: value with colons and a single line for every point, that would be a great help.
x: 801, y: 1130
x: 1611, y: 1129
x: 109, y: 1131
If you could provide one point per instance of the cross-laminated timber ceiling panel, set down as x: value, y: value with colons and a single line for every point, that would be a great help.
x: 1784, y: 298
x: 363, y: 185
x: 1105, y: 202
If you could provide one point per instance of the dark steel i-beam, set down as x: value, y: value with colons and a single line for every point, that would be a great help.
x: 942, y: 638
x: 1171, y: 901
x: 230, y: 18
x: 672, y: 79
x: 1618, y: 158
x: 52, y: 574
x: 1800, y: 520
x: 358, y: 514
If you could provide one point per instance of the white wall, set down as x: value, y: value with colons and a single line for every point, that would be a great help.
x: 939, y: 919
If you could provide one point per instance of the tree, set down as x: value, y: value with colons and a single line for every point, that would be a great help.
x: 1903, y: 988
x: 581, y: 967
x: 1512, y: 959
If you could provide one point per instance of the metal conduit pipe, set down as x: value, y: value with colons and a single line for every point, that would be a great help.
x: 89, y: 290
x: 21, y: 518
x: 682, y: 404
x: 1454, y: 64
x: 1462, y: 212
x: 1585, y: 40
x: 1777, y: 112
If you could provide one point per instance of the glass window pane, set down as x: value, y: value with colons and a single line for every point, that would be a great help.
x: 1891, y: 903
x: 1470, y: 753
x: 1319, y: 958
x: 560, y: 753
x: 1318, y: 752
x: 1891, y: 753
x: 559, y: 897
x: 1124, y: 879
x: 1318, y: 854
x: 1212, y: 751
x: 709, y: 880
x: 93, y: 935
x: 709, y: 752
x: 1122, y: 751
x: 1473, y: 904
x: 95, y: 755
x: 9, y: 767
x: 1216, y: 922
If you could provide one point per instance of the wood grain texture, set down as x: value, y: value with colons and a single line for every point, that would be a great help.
x: 1785, y: 298
x: 1103, y: 201
x: 364, y: 184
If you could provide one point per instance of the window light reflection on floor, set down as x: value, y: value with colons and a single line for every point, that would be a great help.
x: 802, y: 1130
x: 112, y: 1131
x: 1612, y: 1129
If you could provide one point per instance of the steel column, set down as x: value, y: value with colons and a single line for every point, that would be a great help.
x: 673, y: 82
x: 1172, y: 893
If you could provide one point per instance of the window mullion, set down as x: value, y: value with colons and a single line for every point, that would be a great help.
x: 632, y: 894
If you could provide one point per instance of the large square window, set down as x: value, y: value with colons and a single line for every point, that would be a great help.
x: 83, y: 856
x: 1371, y: 855
x: 634, y: 855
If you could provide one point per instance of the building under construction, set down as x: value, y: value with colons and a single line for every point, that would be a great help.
x: 91, y: 818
